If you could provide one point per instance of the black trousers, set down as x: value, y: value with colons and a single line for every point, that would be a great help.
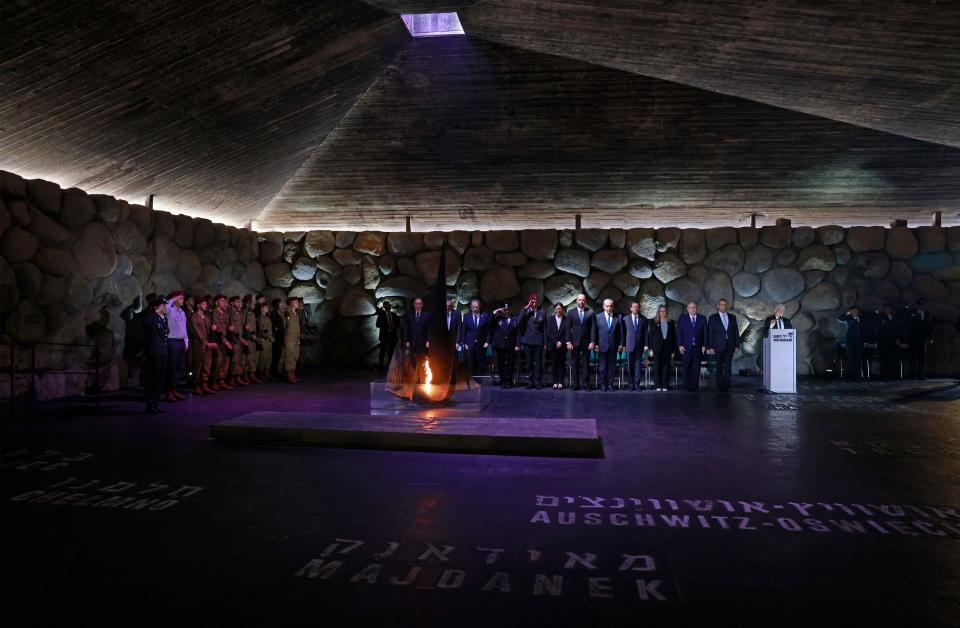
x: 607, y: 362
x: 275, y: 357
x: 690, y: 368
x: 476, y: 356
x: 661, y: 369
x: 176, y: 354
x: 505, y: 362
x: 387, y: 345
x: 854, y: 362
x: 532, y: 355
x: 154, y: 376
x: 635, y: 365
x: 724, y: 364
x: 918, y: 359
x: 557, y: 363
x: 581, y: 367
x: 888, y: 359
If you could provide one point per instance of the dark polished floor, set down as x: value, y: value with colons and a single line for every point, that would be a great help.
x: 836, y: 506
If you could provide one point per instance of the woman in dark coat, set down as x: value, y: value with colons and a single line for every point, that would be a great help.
x: 662, y: 340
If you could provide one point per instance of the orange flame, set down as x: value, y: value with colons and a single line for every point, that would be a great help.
x: 428, y: 374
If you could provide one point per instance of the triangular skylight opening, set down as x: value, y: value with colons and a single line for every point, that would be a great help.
x: 432, y: 24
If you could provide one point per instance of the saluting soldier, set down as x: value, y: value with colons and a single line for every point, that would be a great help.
x: 250, y: 335
x: 202, y: 347
x: 235, y: 334
x: 291, y: 337
x: 264, y: 341
x: 221, y: 335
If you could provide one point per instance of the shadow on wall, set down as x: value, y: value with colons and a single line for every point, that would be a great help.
x: 70, y: 262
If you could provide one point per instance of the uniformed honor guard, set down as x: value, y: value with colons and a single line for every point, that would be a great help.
x: 221, y: 336
x: 235, y: 335
x: 291, y: 335
x: 505, y: 343
x: 530, y: 332
x: 264, y: 341
x: 202, y: 347
x: 178, y: 342
x: 155, y: 345
x: 276, y: 321
x: 252, y: 348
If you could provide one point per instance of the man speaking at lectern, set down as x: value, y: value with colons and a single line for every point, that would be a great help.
x: 777, y: 321
x: 723, y: 339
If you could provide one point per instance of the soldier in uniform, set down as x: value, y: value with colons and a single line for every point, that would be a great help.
x: 250, y: 335
x: 264, y: 341
x: 235, y: 334
x: 276, y: 321
x: 505, y: 326
x: 202, y: 347
x: 155, y: 345
x: 291, y: 345
x: 530, y: 326
x: 220, y: 335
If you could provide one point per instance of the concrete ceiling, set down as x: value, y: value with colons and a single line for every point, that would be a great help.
x: 220, y: 107
x: 459, y: 133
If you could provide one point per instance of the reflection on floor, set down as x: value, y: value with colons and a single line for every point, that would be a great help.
x: 743, y: 509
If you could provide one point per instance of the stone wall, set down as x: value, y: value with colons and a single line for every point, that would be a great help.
x: 70, y: 262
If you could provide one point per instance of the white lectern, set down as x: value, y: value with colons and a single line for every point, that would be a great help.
x: 780, y: 361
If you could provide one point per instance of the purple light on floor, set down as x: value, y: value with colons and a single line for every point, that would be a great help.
x: 432, y: 24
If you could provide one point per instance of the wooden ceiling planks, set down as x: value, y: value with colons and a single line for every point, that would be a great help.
x: 461, y: 133
x: 210, y: 106
x: 422, y: 6
x: 891, y: 65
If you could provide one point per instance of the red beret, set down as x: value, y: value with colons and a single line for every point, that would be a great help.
x: 175, y: 294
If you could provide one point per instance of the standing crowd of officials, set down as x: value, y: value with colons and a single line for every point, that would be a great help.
x: 215, y: 343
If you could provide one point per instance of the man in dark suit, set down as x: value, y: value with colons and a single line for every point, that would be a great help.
x: 919, y: 333
x: 691, y: 333
x: 555, y: 332
x: 887, y: 340
x: 416, y: 333
x: 607, y: 340
x: 580, y: 343
x: 505, y: 343
x: 530, y: 333
x: 452, y: 320
x: 723, y: 340
x: 635, y: 341
x: 777, y: 321
x: 855, y: 333
x: 155, y: 332
x: 474, y: 337
x: 388, y: 323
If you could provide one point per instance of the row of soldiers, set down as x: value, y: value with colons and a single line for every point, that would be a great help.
x: 222, y: 342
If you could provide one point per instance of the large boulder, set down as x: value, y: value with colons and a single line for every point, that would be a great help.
x: 401, y: 286
x: 428, y: 264
x: 499, y: 284
x: 387, y: 264
x: 668, y: 238
x: 930, y: 262
x: 291, y: 251
x: 309, y: 293
x: 931, y: 239
x: 782, y: 284
x: 668, y: 267
x: 29, y: 278
x: 717, y: 286
x: 873, y: 265
x: 628, y: 284
x: 129, y: 239
x: 164, y: 225
x: 357, y: 302
x: 347, y: 257
x: 900, y: 274
x: 786, y: 256
x: 729, y: 259
x: 27, y: 321
x: 163, y: 255
x: 816, y: 257
x: 478, y: 258
x: 537, y: 269
x: 539, y: 244
x: 468, y: 287
x: 342, y: 239
x: 44, y: 195
x: 930, y: 289
x: 95, y: 252
x: 183, y: 231
x: 821, y: 297
x: 279, y: 275
x: 595, y: 282
x: 813, y: 277
x: 458, y: 241
x: 254, y: 277
x: 8, y: 288
x: 776, y: 236
x: 829, y: 235
x: 652, y: 296
x: 48, y: 230
x: 719, y: 237
x: 572, y: 261
x: 12, y: 185
x: 502, y: 241
x: 591, y: 239
x: 901, y: 243
x: 863, y: 239
x: 315, y: 243
x: 54, y: 261
x: 304, y: 268
x: 683, y: 290
x: 745, y: 284
x: 642, y: 243
x: 618, y: 238
x: 188, y: 267
x: 693, y: 246
x: 640, y: 268
x: 562, y: 289
x: 803, y: 237
x: 748, y: 237
x: 329, y: 265
x: 18, y: 245
x: 142, y: 217
x: 511, y: 259
x: 843, y: 254
x: 76, y: 209
x: 404, y: 244
x: 271, y: 247
x: 609, y: 260
x: 371, y: 276
x: 370, y: 242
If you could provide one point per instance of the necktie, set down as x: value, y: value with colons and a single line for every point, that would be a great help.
x: 448, y: 322
x: 634, y: 323
x: 476, y: 320
x: 723, y: 317
x: 693, y: 320
x: 581, y: 316
x: 418, y: 315
x: 780, y: 323
x: 608, y: 322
